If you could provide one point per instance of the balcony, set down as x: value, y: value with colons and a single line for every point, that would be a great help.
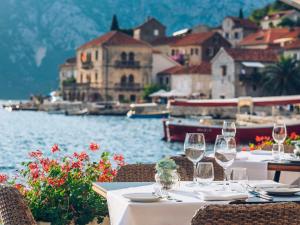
x: 127, y: 64
x: 128, y: 87
x: 87, y: 65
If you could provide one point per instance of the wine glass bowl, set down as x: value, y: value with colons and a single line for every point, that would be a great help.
x: 279, y: 132
x: 204, y: 172
x: 194, y: 148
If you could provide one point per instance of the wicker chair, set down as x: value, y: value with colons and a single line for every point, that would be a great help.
x: 186, y: 168
x: 136, y: 173
x: 254, y: 214
x: 13, y: 210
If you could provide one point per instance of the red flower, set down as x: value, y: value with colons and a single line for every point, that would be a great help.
x: 81, y: 156
x: 244, y: 149
x: 252, y: 148
x: 76, y: 165
x: 32, y: 166
x: 3, y: 178
x: 19, y: 186
x: 45, y: 164
x: 56, y: 182
x: 55, y: 148
x: 35, y: 173
x: 35, y: 154
x: 293, y: 136
x: 119, y: 159
x: 94, y: 147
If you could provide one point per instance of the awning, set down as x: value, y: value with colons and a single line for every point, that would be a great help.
x: 253, y: 64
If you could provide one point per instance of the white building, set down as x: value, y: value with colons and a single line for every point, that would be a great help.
x: 67, y: 71
x: 293, y: 50
x: 274, y: 19
x: 235, y: 71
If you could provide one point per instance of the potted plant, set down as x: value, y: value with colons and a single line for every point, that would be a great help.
x: 59, y: 190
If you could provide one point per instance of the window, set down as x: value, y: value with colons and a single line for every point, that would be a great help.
x: 131, y: 79
x: 161, y: 80
x: 131, y: 57
x: 123, y: 56
x: 227, y: 35
x: 224, y: 70
x: 156, y: 32
x: 96, y: 55
x: 192, y: 51
x: 123, y: 80
x: 236, y: 35
x: 254, y: 87
x: 81, y: 78
x: 96, y: 77
x: 210, y: 51
x: 132, y: 98
x: 121, y: 98
x: 173, y: 52
x: 196, y: 51
x: 167, y: 80
x: 222, y: 96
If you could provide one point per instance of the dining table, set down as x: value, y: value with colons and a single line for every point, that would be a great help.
x: 182, y: 203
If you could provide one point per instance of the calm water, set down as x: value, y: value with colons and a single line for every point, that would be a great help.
x: 137, y: 140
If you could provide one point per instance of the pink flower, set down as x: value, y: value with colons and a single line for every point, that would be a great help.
x: 35, y: 154
x: 3, y: 178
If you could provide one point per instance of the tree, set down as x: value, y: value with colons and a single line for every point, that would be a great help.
x: 114, y: 23
x: 241, y: 14
x: 282, y: 78
x: 287, y: 22
x: 149, y: 89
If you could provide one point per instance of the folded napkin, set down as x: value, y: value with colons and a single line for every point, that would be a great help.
x: 222, y: 195
x: 269, y: 185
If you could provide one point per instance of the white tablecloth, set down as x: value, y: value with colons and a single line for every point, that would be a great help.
x: 164, y: 212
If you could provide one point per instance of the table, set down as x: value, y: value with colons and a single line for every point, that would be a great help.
x: 283, y: 166
x: 262, y: 167
x: 165, y: 212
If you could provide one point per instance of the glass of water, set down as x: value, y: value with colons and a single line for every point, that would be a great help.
x: 194, y: 148
x: 204, y: 172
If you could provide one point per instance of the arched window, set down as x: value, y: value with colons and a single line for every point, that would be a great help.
x: 123, y: 80
x: 123, y: 57
x: 130, y: 79
x: 131, y: 57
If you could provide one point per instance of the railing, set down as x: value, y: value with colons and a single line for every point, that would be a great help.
x: 127, y: 64
x: 87, y: 65
x: 128, y: 87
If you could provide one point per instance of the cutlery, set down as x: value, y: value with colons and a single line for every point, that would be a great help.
x: 260, y: 195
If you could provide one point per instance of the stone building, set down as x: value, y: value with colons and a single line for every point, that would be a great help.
x: 190, y: 80
x: 235, y: 72
x: 274, y: 19
x: 192, y: 49
x: 67, y: 72
x: 234, y: 29
x: 150, y: 30
x: 163, y: 44
x: 271, y: 38
x: 112, y: 67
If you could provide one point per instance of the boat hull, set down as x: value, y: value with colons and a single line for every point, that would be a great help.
x: 175, y: 132
x: 148, y: 116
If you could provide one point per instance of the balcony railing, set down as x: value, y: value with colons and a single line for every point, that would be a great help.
x: 128, y: 87
x: 87, y: 65
x: 127, y: 64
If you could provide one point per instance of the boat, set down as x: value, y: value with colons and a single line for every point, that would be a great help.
x: 248, y: 126
x: 147, y: 111
x: 80, y: 112
x: 175, y: 130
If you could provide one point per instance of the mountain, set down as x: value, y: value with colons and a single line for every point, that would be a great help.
x: 37, y: 35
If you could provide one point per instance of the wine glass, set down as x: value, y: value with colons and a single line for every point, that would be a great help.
x: 225, y: 153
x: 229, y: 129
x: 205, y: 172
x: 276, y: 152
x: 279, y: 134
x: 194, y: 147
x: 240, y: 175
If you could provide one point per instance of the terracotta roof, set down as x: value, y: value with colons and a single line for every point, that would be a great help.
x: 245, y: 23
x: 193, y: 39
x: 278, y: 15
x: 149, y: 20
x: 203, y: 68
x: 165, y: 40
x: 293, y: 45
x: 113, y: 38
x: 252, y: 55
x: 270, y: 36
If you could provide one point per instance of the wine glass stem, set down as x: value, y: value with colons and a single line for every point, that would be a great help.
x: 194, y: 175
